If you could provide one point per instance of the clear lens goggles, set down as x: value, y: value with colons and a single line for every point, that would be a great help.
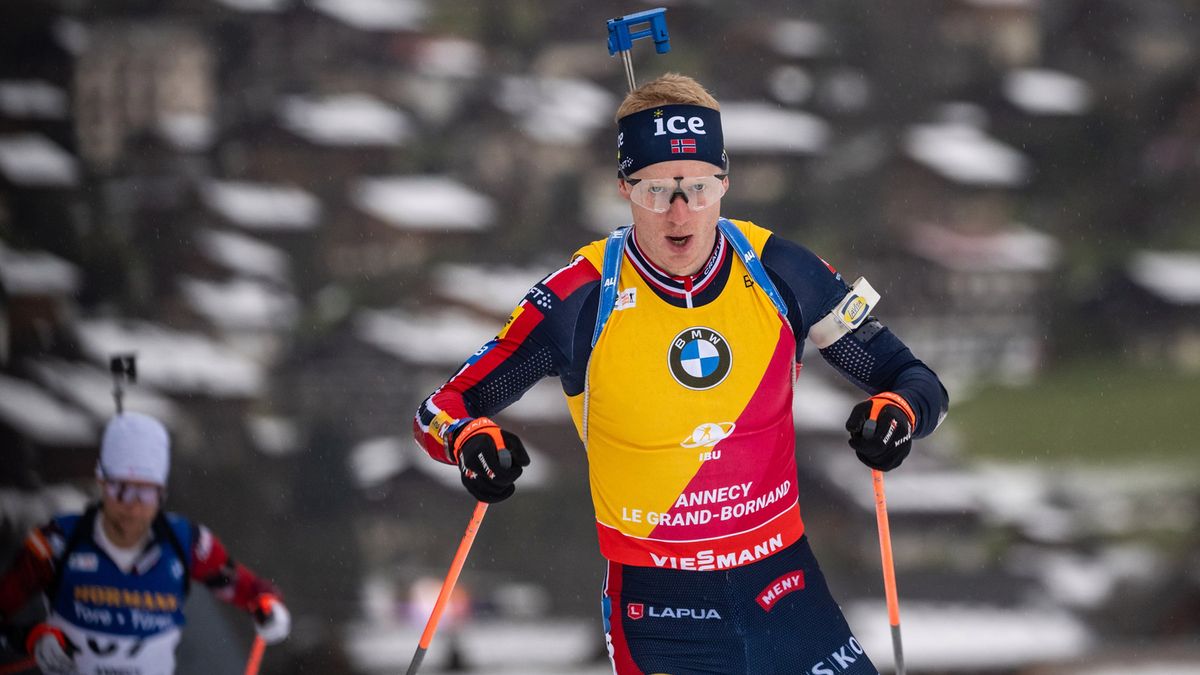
x: 128, y: 493
x: 656, y: 194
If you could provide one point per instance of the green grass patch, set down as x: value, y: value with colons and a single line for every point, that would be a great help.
x: 1086, y: 412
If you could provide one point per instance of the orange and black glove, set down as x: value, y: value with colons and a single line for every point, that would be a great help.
x: 489, y: 459
x: 881, y: 430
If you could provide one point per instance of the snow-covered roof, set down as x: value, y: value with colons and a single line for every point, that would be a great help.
x: 560, y: 110
x: 441, y: 337
x: 752, y: 128
x: 41, y: 417
x: 36, y: 272
x: 495, y: 290
x: 245, y: 255
x: 1047, y: 92
x: 965, y: 154
x: 262, y: 206
x: 818, y: 405
x: 930, y: 491
x: 1016, y: 249
x: 449, y: 57
x: 1088, y: 581
x: 846, y: 89
x: 240, y: 303
x: 71, y: 34
x: 375, y: 15
x: 1046, y: 504
x: 188, y: 132
x: 90, y: 388
x: 961, y: 637
x: 32, y: 160
x: 32, y: 99
x: 423, y: 203
x: 1174, y: 276
x: 22, y: 509
x: 272, y: 435
x: 173, y: 361
x: 797, y: 38
x: 345, y: 120
x: 497, y: 646
x: 1012, y: 4
x: 264, y: 6
x: 374, y: 461
x: 1015, y: 496
x: 1159, y: 664
x: 790, y: 83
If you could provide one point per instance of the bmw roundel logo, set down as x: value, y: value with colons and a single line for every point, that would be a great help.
x: 699, y: 358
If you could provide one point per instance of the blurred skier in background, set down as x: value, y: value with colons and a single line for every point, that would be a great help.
x: 677, y: 341
x: 116, y: 576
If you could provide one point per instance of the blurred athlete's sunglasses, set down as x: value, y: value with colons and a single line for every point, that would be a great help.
x: 129, y: 493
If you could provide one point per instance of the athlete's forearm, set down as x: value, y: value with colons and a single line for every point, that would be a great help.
x: 228, y: 580
x: 925, y: 393
x: 29, y: 574
x: 540, y: 339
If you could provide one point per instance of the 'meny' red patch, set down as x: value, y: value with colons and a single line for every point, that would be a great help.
x: 788, y: 583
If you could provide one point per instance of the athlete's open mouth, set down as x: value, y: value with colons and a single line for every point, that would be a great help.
x: 680, y: 241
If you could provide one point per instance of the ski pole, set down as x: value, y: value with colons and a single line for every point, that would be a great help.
x: 464, y: 547
x: 265, y: 606
x: 889, y: 568
x: 256, y: 654
x: 26, y: 665
x: 621, y: 40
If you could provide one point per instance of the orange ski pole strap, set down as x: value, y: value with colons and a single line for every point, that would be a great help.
x: 489, y: 458
x: 464, y: 547
x: 878, y: 401
x: 479, y: 425
x: 889, y: 568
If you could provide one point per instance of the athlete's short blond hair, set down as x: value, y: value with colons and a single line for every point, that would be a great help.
x: 669, y: 89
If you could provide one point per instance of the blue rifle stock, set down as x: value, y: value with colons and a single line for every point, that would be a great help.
x: 624, y: 30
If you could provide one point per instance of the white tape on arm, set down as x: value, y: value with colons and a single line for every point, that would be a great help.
x: 847, y: 315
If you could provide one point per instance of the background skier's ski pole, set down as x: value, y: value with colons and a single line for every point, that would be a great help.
x: 256, y: 654
x: 620, y: 39
x: 22, y: 667
x: 464, y: 547
x: 266, y: 604
x: 889, y: 568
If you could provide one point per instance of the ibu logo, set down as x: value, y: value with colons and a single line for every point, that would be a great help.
x: 699, y: 358
x: 708, y: 434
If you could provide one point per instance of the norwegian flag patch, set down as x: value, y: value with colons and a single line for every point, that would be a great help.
x: 683, y: 146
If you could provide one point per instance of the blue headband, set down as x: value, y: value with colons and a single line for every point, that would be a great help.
x: 668, y: 133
